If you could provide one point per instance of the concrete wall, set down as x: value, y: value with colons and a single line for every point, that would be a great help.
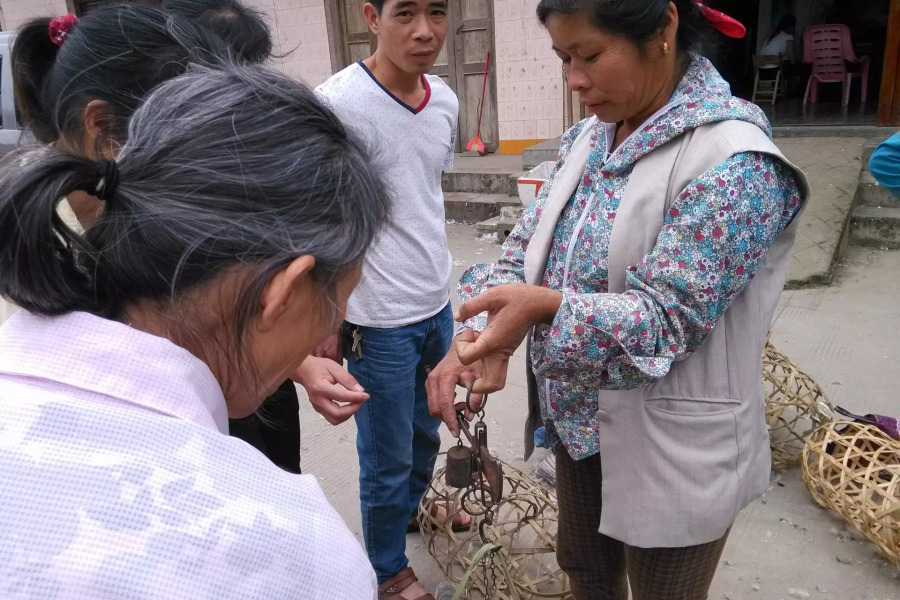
x: 16, y: 12
x: 300, y: 32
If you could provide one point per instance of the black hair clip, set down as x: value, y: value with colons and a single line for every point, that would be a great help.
x: 108, y: 172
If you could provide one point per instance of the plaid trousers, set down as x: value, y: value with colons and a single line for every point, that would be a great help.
x: 601, y: 568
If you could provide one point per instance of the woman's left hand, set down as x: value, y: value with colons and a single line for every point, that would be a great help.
x: 513, y: 309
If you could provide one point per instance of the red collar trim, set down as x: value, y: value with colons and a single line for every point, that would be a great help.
x: 427, y: 97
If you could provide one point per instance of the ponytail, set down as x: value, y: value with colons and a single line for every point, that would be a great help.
x: 45, y: 267
x: 33, y: 57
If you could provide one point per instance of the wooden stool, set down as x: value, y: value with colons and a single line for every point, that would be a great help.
x: 771, y: 88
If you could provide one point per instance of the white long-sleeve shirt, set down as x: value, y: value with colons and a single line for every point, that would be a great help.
x: 118, y: 480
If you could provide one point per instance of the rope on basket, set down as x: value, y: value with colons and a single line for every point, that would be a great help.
x: 522, y: 535
x: 464, y: 582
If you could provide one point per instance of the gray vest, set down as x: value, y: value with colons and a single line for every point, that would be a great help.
x: 683, y: 456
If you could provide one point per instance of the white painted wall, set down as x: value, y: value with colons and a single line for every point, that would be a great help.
x: 529, y: 75
x: 300, y: 32
x: 17, y: 12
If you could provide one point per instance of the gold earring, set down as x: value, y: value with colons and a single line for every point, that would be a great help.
x: 665, y: 47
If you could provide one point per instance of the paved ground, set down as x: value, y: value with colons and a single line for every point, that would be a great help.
x: 832, y: 166
x: 843, y: 335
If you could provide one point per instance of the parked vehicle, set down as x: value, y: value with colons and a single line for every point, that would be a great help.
x: 9, y: 124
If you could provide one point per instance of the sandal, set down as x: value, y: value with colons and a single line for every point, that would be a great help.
x: 399, y: 582
x: 413, y: 526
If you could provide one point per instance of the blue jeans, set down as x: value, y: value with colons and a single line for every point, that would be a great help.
x: 397, y: 438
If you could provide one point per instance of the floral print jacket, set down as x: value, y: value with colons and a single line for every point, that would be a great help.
x: 715, y: 236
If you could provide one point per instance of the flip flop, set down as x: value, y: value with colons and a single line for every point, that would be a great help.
x: 413, y: 526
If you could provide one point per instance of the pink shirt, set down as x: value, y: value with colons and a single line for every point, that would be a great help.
x: 117, y: 480
x: 80, y: 356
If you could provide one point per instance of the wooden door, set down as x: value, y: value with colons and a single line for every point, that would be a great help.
x: 470, y: 37
x: 444, y: 67
x: 889, y: 99
x: 356, y: 41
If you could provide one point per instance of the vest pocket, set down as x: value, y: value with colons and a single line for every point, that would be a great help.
x: 692, y: 407
x: 693, y: 448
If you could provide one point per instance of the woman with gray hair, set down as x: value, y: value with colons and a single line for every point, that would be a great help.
x: 78, y: 83
x: 235, y: 221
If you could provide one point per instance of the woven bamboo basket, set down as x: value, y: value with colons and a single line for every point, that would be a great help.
x: 854, y: 469
x: 525, y: 526
x: 795, y: 407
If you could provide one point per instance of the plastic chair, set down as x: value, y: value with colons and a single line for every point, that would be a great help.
x: 768, y: 63
x: 828, y: 49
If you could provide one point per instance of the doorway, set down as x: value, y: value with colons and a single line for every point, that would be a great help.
x: 869, y: 25
x: 470, y: 37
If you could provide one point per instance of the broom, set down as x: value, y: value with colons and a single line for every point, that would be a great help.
x: 476, y: 145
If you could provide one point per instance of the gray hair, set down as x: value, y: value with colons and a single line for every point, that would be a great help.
x: 223, y: 168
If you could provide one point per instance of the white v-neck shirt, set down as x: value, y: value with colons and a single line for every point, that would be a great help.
x: 406, y: 274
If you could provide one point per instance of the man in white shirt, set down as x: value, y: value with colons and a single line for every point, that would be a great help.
x: 399, y: 320
x: 781, y: 41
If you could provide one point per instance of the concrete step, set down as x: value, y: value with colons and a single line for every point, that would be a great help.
x: 480, y: 183
x: 512, y: 212
x: 503, y: 224
x: 474, y: 208
x: 489, y: 174
x: 871, y: 193
x: 867, y: 153
x: 872, y: 144
x: 876, y: 226
x: 532, y: 157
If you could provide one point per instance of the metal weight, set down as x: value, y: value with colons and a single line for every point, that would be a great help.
x: 458, y: 473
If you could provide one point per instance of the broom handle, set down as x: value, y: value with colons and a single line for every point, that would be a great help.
x: 487, y: 64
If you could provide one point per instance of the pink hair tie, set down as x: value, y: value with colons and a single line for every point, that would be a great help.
x: 722, y: 22
x: 60, y: 28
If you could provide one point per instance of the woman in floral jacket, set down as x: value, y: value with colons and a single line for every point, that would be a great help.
x: 651, y: 363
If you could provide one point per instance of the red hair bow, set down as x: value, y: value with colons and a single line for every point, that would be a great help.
x: 725, y: 24
x: 60, y: 28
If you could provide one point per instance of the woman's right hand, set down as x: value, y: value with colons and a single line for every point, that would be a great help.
x: 333, y: 392
x: 443, y: 380
x: 330, y: 348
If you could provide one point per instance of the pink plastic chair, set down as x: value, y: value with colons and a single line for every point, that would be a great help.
x: 827, y: 47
